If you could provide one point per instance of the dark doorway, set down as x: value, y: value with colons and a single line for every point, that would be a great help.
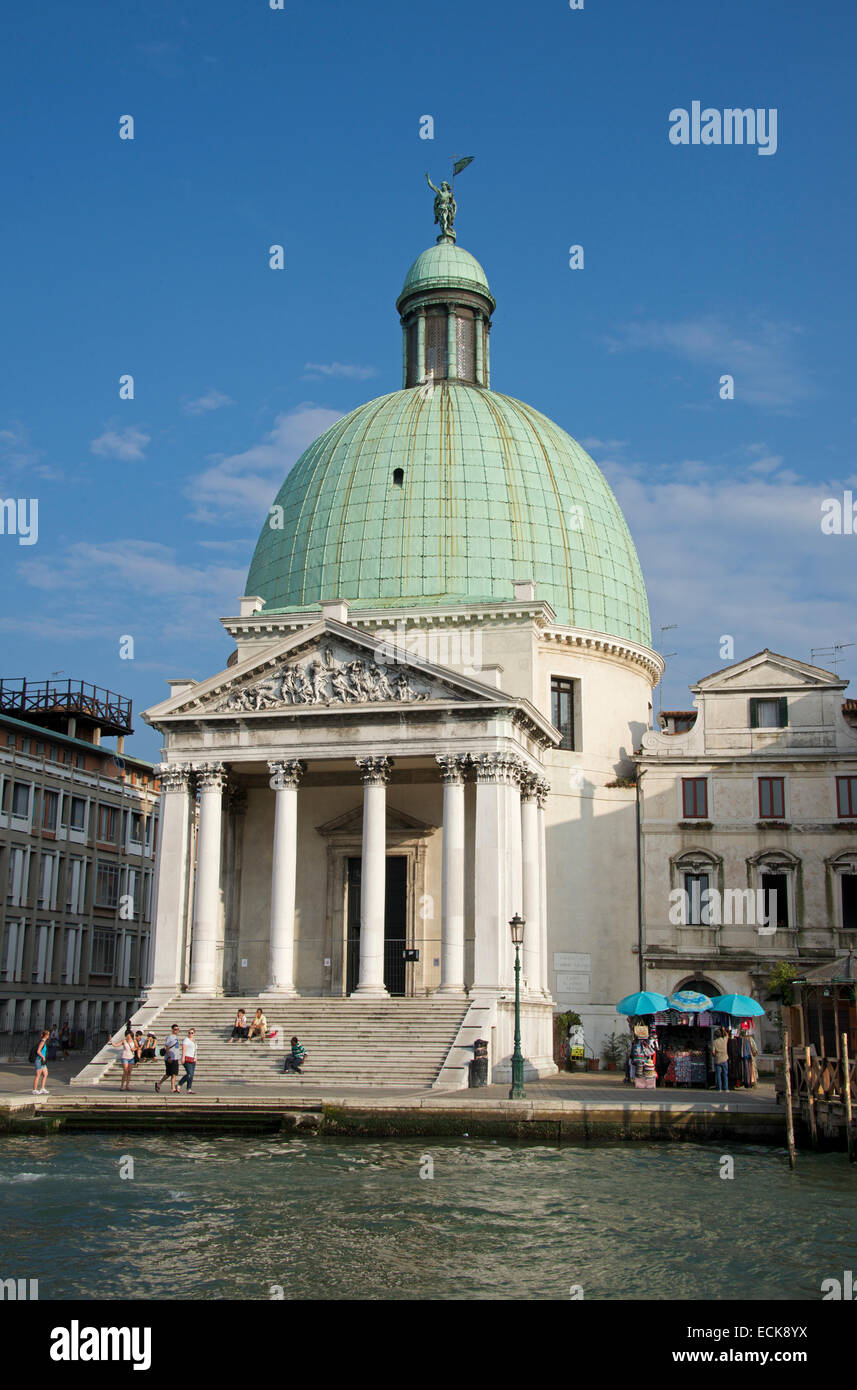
x: 395, y: 924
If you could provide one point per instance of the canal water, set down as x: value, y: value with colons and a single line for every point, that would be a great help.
x: 255, y: 1218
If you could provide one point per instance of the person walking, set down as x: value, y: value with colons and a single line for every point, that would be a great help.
x: 41, y: 1064
x: 53, y: 1044
x: 720, y: 1049
x: 65, y: 1040
x: 188, y: 1061
x: 172, y: 1051
x: 128, y: 1050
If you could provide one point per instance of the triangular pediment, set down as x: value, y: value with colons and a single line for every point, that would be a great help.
x: 768, y: 671
x: 350, y: 824
x: 330, y: 667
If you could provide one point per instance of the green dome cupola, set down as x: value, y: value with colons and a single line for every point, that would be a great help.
x: 446, y: 492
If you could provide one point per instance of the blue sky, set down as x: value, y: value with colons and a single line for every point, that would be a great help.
x: 301, y: 127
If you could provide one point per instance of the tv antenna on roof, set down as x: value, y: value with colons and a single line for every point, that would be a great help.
x: 831, y: 654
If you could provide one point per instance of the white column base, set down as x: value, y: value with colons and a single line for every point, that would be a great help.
x: 370, y: 992
x: 276, y: 992
x: 460, y: 991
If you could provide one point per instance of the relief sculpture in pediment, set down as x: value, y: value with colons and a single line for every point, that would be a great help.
x: 326, y: 681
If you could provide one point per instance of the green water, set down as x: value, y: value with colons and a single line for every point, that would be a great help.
x: 232, y: 1217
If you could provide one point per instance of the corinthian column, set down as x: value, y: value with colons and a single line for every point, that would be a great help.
x: 285, y: 777
x: 373, y: 884
x: 532, y: 876
x: 210, y: 780
x: 496, y: 776
x: 452, y: 770
x: 542, y: 790
x: 171, y: 879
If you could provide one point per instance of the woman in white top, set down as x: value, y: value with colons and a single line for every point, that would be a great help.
x: 188, y: 1061
x: 129, y: 1052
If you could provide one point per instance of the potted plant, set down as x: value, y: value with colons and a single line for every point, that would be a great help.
x: 592, y: 1064
x: 615, y: 1050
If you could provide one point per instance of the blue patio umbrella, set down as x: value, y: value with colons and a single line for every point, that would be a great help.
x: 739, y: 1005
x: 645, y: 1001
x: 688, y: 1001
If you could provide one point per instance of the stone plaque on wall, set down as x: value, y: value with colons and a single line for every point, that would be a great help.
x: 572, y: 960
x: 576, y: 983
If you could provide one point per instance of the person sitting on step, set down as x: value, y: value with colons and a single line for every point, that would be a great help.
x: 296, y: 1058
x: 259, y: 1027
x: 240, y: 1027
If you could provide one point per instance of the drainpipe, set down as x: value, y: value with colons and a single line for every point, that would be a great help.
x: 640, y: 943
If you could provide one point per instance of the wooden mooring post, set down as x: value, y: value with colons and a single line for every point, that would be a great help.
x: 810, y: 1098
x: 790, y: 1119
x: 846, y: 1096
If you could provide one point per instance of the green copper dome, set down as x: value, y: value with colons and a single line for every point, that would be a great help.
x: 447, y: 494
x: 445, y: 266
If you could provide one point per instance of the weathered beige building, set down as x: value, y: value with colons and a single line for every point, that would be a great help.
x: 749, y: 829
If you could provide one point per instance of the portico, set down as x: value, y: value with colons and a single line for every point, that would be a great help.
x: 282, y: 815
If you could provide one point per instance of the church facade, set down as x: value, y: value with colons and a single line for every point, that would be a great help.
x: 442, y: 671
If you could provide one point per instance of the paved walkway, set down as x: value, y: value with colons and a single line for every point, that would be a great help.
x: 566, y: 1092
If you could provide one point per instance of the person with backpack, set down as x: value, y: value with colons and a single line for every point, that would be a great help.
x: 171, y: 1052
x: 40, y: 1062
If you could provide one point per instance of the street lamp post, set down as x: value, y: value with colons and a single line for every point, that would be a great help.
x: 516, y: 926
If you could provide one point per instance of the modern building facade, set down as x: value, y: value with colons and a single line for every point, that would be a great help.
x: 749, y: 828
x: 78, y: 838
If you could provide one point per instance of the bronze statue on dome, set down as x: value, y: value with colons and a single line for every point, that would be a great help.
x: 445, y: 208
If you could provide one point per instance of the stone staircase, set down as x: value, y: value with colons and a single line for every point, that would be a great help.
x: 349, y: 1042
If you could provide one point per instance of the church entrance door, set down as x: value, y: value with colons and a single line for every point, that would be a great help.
x: 395, y: 924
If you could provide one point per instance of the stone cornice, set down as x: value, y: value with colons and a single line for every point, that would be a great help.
x: 581, y: 639
x: 271, y: 625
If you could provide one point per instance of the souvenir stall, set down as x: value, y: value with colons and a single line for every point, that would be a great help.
x: 672, y: 1038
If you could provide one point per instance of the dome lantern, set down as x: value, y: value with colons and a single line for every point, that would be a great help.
x: 445, y: 308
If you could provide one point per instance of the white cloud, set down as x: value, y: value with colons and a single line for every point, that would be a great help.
x: 128, y: 445
x: 739, y: 555
x: 340, y: 369
x: 244, y: 485
x: 762, y: 357
x: 210, y: 400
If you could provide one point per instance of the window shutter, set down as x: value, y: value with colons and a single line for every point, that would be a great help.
x: 784, y: 712
x: 754, y: 714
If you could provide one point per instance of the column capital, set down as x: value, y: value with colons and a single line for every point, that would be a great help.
x: 529, y: 785
x: 286, y: 774
x: 375, y: 771
x: 542, y: 791
x: 210, y: 777
x: 498, y: 767
x: 453, y: 767
x: 174, y: 777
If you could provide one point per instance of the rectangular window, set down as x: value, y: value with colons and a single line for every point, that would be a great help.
x: 846, y: 796
x: 107, y: 822
x: 77, y: 813
x: 694, y: 791
x: 696, y: 899
x: 769, y: 714
x: 50, y: 807
x: 48, y: 881
x: 562, y: 709
x: 103, y: 952
x: 107, y: 885
x: 772, y: 798
x: 16, y: 890
x: 21, y: 799
x: 776, y: 907
x: 849, y: 902
x: 136, y: 828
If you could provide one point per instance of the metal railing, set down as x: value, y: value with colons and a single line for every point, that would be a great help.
x: 22, y: 697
